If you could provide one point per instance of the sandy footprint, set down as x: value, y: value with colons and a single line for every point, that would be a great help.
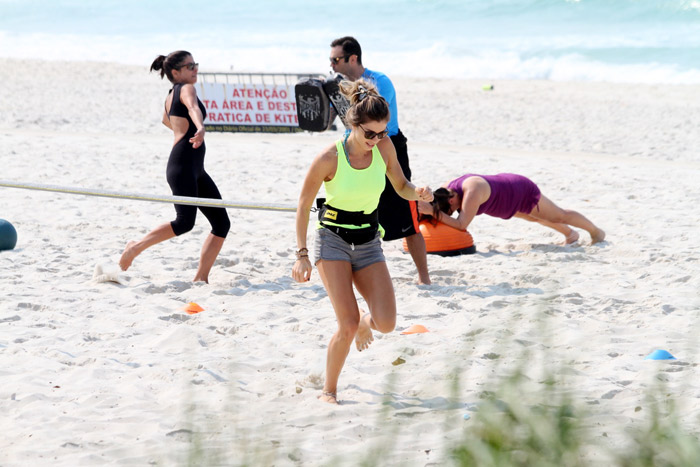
x: 104, y: 273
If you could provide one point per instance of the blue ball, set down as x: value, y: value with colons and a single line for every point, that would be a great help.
x: 8, y: 235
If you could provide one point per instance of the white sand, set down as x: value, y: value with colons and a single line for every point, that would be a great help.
x: 98, y: 372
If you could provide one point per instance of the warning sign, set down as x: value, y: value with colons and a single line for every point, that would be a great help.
x: 248, y: 107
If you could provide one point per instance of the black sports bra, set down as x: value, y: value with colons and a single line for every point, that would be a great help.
x: 178, y: 109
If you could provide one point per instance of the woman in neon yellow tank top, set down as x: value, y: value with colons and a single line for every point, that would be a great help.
x: 347, y: 249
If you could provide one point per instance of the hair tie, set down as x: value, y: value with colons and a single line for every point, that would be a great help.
x: 361, y: 93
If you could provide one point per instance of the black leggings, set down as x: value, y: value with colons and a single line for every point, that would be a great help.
x: 187, y: 177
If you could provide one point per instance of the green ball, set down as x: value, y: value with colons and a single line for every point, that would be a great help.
x: 8, y: 235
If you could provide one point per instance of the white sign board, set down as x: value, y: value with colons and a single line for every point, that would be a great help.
x: 258, y: 108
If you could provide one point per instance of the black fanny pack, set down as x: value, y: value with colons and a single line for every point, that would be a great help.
x: 340, y: 216
x: 353, y: 236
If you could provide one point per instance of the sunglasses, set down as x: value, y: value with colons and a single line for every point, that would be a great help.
x: 369, y: 134
x: 337, y: 60
x: 190, y: 66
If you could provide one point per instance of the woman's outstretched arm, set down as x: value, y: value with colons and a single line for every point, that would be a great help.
x: 394, y: 172
x: 188, y: 96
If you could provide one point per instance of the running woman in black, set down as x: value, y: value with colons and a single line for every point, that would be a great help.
x: 184, y: 114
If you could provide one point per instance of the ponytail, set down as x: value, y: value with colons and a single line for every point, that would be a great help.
x: 440, y: 202
x: 157, y: 65
x: 365, y: 102
x: 166, y: 65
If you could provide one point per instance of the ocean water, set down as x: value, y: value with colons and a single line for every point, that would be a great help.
x: 563, y: 40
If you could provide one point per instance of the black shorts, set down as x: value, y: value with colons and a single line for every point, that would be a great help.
x: 398, y: 216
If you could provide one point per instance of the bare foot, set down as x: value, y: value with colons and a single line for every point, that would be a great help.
x: 571, y: 238
x: 201, y: 279
x: 329, y: 397
x: 363, y: 337
x: 128, y: 256
x: 597, y: 236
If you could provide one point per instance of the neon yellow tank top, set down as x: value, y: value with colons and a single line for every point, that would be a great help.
x: 356, y: 190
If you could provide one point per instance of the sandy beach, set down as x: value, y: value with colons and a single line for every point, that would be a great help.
x: 117, y: 373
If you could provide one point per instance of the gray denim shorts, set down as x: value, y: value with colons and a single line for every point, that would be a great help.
x: 331, y: 247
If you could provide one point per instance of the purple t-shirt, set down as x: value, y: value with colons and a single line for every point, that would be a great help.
x: 510, y: 193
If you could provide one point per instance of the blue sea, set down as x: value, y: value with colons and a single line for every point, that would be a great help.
x: 564, y: 40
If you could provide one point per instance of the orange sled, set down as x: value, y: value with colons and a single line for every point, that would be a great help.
x: 443, y: 240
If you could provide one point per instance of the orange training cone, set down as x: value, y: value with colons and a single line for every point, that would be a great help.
x: 192, y: 308
x: 415, y: 329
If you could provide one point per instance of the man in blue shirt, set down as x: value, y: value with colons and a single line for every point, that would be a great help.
x: 398, y: 217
